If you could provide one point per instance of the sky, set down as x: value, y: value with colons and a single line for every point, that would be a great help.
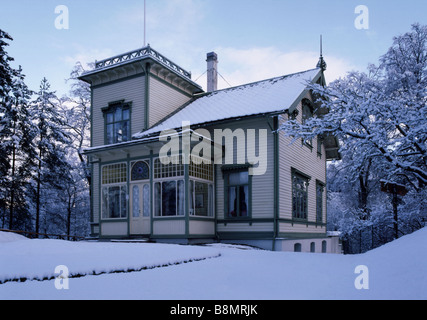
x: 254, y: 39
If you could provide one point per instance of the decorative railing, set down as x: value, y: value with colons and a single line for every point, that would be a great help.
x: 140, y: 53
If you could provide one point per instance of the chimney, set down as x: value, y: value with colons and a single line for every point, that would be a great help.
x: 212, y: 61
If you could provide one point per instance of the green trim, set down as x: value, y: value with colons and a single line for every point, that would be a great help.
x: 276, y: 153
x: 152, y: 191
x: 301, y: 235
x: 244, y: 220
x: 302, y: 222
x: 246, y: 235
x: 166, y: 218
x: 186, y: 198
x: 147, y: 96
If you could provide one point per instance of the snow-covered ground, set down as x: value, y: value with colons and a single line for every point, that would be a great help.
x: 397, y: 270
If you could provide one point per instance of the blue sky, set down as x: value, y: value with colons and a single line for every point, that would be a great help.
x: 254, y: 39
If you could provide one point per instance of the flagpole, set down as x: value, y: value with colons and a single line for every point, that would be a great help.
x: 145, y: 26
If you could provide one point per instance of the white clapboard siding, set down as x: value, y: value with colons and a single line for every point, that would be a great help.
x: 307, y: 161
x: 163, y: 100
x: 168, y: 227
x: 262, y: 185
x: 131, y: 90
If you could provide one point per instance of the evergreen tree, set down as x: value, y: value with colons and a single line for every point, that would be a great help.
x: 6, y: 75
x: 52, y: 169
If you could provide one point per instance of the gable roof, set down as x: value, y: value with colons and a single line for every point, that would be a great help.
x: 274, y: 95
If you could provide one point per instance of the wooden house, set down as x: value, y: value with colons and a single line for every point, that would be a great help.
x: 233, y: 177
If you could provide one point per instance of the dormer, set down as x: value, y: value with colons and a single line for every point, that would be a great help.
x: 133, y: 91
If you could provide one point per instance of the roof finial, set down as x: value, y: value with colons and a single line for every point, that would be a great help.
x: 321, y: 64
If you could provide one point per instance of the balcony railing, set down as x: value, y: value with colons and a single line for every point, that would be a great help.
x: 141, y: 53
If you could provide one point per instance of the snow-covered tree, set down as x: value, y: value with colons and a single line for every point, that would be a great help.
x: 17, y: 149
x: 52, y: 169
x: 380, y: 118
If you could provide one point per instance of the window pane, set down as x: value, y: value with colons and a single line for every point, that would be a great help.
x: 123, y: 202
x: 243, y: 201
x: 126, y: 131
x: 181, y: 198
x: 201, y: 198
x: 191, y: 198
x: 238, y: 178
x: 118, y: 133
x: 169, y: 198
x: 157, y: 199
x: 110, y: 134
x: 118, y: 115
x: 146, y: 200
x: 114, y: 202
x: 110, y: 117
x: 135, y: 202
x: 211, y: 201
x: 126, y: 114
x: 232, y: 202
x: 104, y: 204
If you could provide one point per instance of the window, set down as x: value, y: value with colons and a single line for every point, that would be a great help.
x: 201, y: 170
x: 319, y: 146
x: 324, y: 246
x: 169, y: 198
x: 117, y: 123
x: 299, y: 195
x: 307, y: 113
x: 237, y: 189
x: 167, y: 171
x: 140, y: 171
x: 114, y: 191
x: 297, y: 247
x: 312, y: 247
x: 201, y: 199
x: 319, y: 201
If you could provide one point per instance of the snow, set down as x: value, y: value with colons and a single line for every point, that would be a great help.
x: 272, y: 95
x: 397, y: 270
x: 10, y: 237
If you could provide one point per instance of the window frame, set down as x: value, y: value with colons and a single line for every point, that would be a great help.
x: 160, y: 206
x: 320, y: 186
x: 112, y: 109
x: 115, y: 180
x: 227, y: 171
x: 301, y: 215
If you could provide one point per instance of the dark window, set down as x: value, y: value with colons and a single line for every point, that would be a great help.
x: 237, y: 194
x: 117, y: 123
x: 299, y: 196
x: 319, y: 201
x: 140, y: 171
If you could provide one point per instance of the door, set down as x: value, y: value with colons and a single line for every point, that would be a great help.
x: 140, y: 209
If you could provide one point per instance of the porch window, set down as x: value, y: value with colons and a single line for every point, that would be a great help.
x: 117, y: 123
x: 299, y: 195
x: 201, y: 199
x: 169, y: 198
x: 114, y: 191
x: 237, y: 189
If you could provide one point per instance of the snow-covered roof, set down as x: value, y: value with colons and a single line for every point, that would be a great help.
x: 263, y: 97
